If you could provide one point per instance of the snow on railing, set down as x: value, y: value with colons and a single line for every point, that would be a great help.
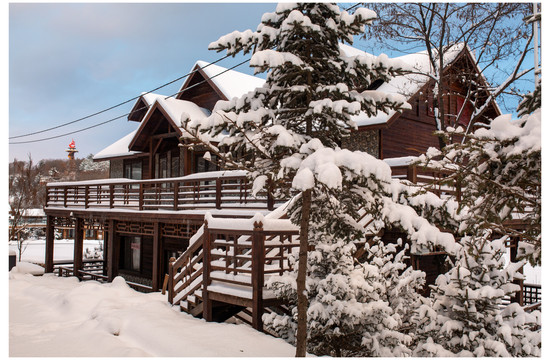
x: 220, y: 189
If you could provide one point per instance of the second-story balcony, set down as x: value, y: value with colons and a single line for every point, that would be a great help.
x: 211, y: 190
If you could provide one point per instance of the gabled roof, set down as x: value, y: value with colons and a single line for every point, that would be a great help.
x: 145, y: 101
x: 173, y: 110
x: 406, y: 85
x: 230, y: 83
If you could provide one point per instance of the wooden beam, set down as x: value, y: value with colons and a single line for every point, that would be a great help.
x: 78, y: 245
x: 151, y: 160
x: 207, y: 307
x: 165, y: 136
x: 50, y: 236
x: 111, y: 260
x: 156, y: 255
x: 258, y: 259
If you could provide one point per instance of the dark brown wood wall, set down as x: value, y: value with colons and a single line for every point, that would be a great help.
x: 412, y: 132
x: 203, y: 95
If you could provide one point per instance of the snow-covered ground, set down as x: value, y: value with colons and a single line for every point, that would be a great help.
x: 52, y: 316
x: 63, y: 250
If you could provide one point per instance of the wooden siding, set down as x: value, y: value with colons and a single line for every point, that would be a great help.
x: 201, y: 94
x: 407, y: 137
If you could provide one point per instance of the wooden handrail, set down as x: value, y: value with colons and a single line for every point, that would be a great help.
x: 167, y: 194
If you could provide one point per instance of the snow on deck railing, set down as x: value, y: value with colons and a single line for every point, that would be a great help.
x: 219, y: 189
x: 266, y: 223
x: 197, y: 176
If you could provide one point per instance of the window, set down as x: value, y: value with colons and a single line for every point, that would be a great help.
x: 203, y: 165
x: 131, y: 253
x: 175, y: 166
x: 162, y: 171
x: 132, y: 169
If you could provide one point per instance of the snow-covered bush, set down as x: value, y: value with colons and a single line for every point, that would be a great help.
x: 467, y: 315
x: 355, y: 309
x: 498, y: 170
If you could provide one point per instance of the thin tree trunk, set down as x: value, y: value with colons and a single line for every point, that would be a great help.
x: 301, y: 334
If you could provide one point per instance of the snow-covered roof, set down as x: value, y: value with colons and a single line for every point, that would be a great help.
x: 406, y: 85
x: 235, y: 84
x: 179, y: 110
x: 117, y: 149
x: 176, y: 111
x: 34, y: 212
x: 230, y: 82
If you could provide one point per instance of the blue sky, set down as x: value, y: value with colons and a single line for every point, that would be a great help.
x: 69, y: 60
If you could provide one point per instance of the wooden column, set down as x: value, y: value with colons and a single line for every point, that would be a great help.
x: 518, y: 297
x: 156, y: 255
x: 188, y: 161
x: 78, y: 245
x: 111, y: 252
x: 50, y: 236
x: 258, y: 259
x: 105, y: 236
x: 207, y: 303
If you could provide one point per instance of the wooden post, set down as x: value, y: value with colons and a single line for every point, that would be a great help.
x: 140, y: 201
x: 50, y: 235
x: 412, y: 171
x: 171, y: 280
x: 218, y: 193
x: 86, y: 195
x: 258, y: 259
x: 156, y: 256
x: 64, y: 196
x: 270, y: 201
x: 78, y: 246
x: 111, y: 195
x: 111, y: 260
x: 518, y: 297
x: 176, y: 194
x: 207, y: 303
x: 105, y: 236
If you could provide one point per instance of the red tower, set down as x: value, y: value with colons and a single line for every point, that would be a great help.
x: 71, y: 150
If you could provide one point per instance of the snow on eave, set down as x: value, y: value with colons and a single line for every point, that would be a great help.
x: 230, y: 83
x: 117, y: 149
x: 173, y: 111
x: 149, y: 99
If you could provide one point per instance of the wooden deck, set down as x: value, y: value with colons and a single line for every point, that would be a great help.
x: 220, y: 190
x: 225, y: 264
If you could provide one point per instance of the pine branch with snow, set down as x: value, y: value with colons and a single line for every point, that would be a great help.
x: 499, y: 174
x: 467, y: 315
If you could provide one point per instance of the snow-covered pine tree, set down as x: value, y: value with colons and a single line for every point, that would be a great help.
x: 305, y: 106
x: 288, y: 132
x: 499, y: 172
x: 466, y: 315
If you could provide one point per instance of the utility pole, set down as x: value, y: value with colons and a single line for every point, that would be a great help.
x: 536, y: 20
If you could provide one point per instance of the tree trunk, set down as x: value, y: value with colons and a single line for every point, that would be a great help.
x: 301, y: 334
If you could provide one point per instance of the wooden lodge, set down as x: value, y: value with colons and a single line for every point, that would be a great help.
x: 152, y: 209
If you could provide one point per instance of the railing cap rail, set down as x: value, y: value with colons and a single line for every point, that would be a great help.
x: 204, y: 176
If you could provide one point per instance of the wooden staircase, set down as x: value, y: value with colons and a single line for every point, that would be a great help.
x: 223, y: 272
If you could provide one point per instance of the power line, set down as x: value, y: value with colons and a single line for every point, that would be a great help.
x: 114, y: 106
x: 125, y: 115
x: 127, y: 101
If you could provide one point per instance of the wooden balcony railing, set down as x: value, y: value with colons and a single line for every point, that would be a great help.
x: 229, y: 189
